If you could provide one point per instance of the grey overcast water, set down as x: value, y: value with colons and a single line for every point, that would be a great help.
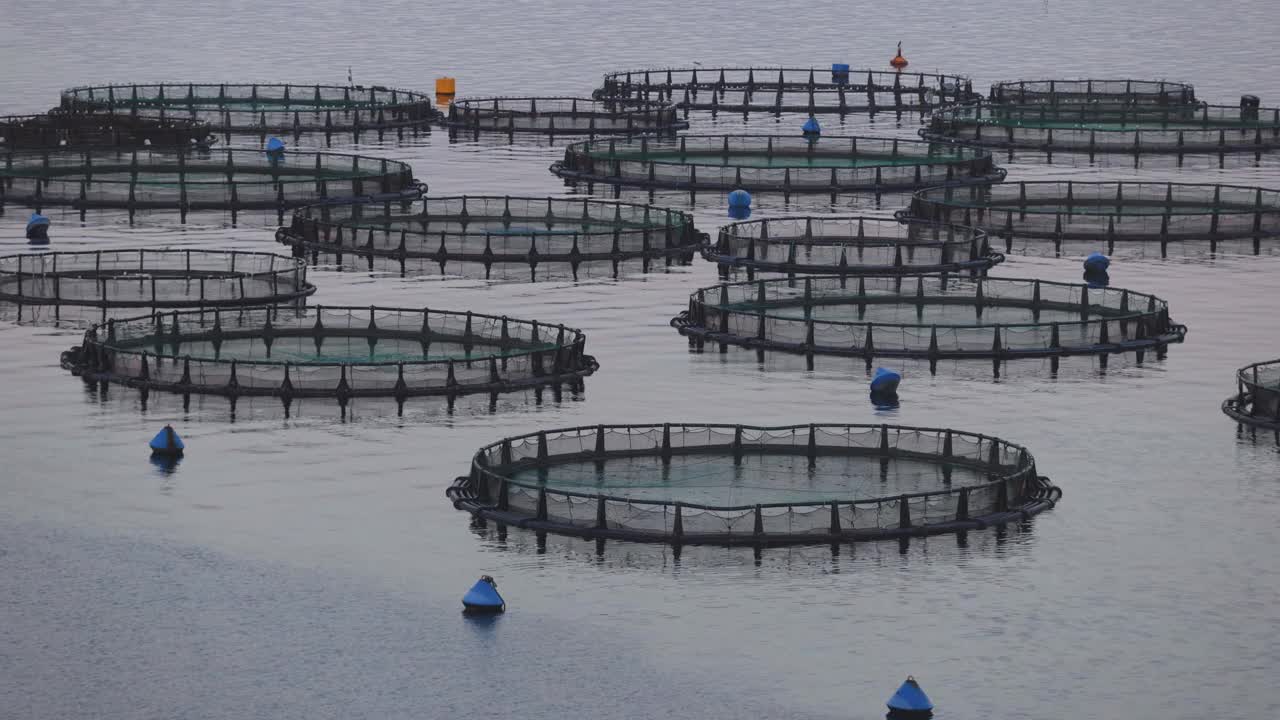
x: 312, y: 567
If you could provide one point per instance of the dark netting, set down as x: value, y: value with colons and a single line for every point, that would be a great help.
x: 224, y: 179
x: 1257, y: 399
x: 931, y: 317
x: 98, y: 129
x: 1103, y: 92
x: 737, y: 484
x: 779, y: 90
x: 131, y: 279
x: 484, y: 232
x: 1114, y: 213
x: 851, y: 245
x: 336, y: 352
x: 265, y: 107
x: 564, y: 115
x: 1170, y: 129
x: 785, y: 163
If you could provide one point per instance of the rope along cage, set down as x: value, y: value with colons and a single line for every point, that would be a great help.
x: 560, y: 481
x: 562, y: 115
x: 1256, y: 403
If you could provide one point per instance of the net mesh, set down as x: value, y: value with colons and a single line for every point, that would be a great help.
x: 851, y: 245
x: 779, y: 90
x: 1098, y: 92
x: 348, y: 352
x: 776, y: 162
x: 729, y: 484
x: 553, y: 115
x: 57, y: 129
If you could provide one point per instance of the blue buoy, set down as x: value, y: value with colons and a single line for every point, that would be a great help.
x: 740, y: 204
x: 840, y: 73
x: 483, y: 598
x: 38, y: 229
x: 811, y: 127
x: 166, y: 443
x: 1095, y: 270
x: 910, y: 701
x: 884, y: 389
x: 275, y: 150
x: 1097, y: 261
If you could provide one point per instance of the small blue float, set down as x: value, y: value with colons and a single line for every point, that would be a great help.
x: 739, y: 204
x: 1095, y: 270
x: 483, y: 598
x: 1097, y: 261
x: 811, y: 128
x: 275, y: 150
x: 884, y: 389
x: 840, y: 73
x: 38, y: 229
x: 910, y: 701
x: 166, y: 443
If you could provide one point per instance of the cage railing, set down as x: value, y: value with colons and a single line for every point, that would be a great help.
x: 1159, y: 92
x: 1257, y: 399
x: 569, y: 115
x: 57, y: 128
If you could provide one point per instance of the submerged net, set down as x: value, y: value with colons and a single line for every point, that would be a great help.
x: 152, y: 279
x: 1098, y: 92
x: 851, y: 245
x: 98, y: 129
x: 933, y: 318
x: 264, y: 107
x: 1114, y: 213
x: 735, y: 484
x: 223, y: 179
x: 338, y: 352
x: 786, y: 163
x: 779, y: 90
x: 565, y: 115
x: 1257, y: 399
x: 1171, y: 129
x: 455, y: 232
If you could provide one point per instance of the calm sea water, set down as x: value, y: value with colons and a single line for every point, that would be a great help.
x: 312, y: 567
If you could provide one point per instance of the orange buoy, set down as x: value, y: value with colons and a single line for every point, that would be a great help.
x: 898, y: 62
x: 445, y: 86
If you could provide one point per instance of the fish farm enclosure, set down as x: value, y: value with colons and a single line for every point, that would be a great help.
x: 931, y: 318
x: 261, y: 108
x: 851, y: 245
x: 736, y: 484
x: 779, y: 90
x: 334, y: 352
x: 526, y: 232
x: 782, y: 163
x: 1256, y: 403
x: 78, y: 129
x: 1094, y: 92
x: 562, y: 115
x: 1110, y: 214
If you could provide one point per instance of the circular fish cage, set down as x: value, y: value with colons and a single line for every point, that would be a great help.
x: 232, y: 179
x: 128, y: 279
x: 1094, y: 92
x: 332, y: 352
x: 262, y: 108
x: 562, y: 116
x: 1115, y: 213
x: 930, y: 318
x: 851, y: 245
x: 1135, y: 129
x: 98, y: 129
x: 745, y: 485
x: 779, y: 90
x: 455, y: 233
x: 784, y: 163
x: 1256, y: 403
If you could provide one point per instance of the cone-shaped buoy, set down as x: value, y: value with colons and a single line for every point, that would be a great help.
x: 910, y: 701
x: 166, y: 443
x: 483, y: 598
x: 739, y: 204
x: 811, y: 127
x: 38, y: 229
x: 899, y: 61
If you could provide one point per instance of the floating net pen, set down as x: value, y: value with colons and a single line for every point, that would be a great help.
x: 1256, y: 403
x: 1134, y: 129
x: 153, y: 279
x: 930, y: 318
x: 333, y: 352
x: 745, y: 485
x: 562, y: 115
x: 489, y: 231
x: 1096, y: 92
x: 779, y: 90
x: 98, y: 129
x: 223, y: 179
x: 262, y: 108
x: 784, y: 163
x: 850, y: 245
x: 1051, y: 213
